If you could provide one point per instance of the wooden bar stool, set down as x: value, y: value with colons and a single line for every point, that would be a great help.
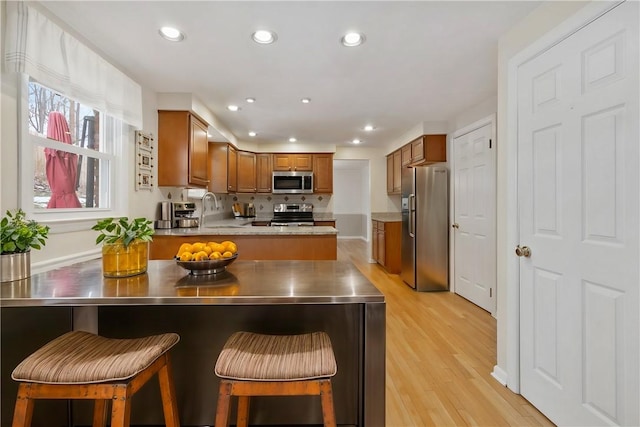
x: 274, y: 365
x: 81, y: 365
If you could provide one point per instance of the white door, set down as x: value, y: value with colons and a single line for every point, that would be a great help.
x: 578, y: 160
x: 474, y: 217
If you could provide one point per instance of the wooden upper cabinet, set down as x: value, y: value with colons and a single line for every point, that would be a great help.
x: 232, y: 170
x: 428, y: 149
x: 223, y: 167
x: 182, y: 150
x: 246, y: 172
x: 397, y: 172
x: 263, y: 172
x: 292, y: 162
x: 218, y: 169
x: 323, y: 173
x: 389, y: 174
x: 406, y: 155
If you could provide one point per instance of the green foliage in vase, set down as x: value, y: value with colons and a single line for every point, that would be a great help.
x: 121, y: 230
x: 18, y: 234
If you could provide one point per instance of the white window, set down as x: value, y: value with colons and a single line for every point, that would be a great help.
x: 73, y: 158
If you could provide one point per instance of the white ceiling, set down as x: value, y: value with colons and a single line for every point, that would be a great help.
x: 423, y: 61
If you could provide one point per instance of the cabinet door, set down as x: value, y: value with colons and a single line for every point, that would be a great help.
x: 173, y: 148
x: 302, y: 162
x: 323, y: 173
x: 406, y: 155
x: 198, y: 153
x: 246, y: 172
x: 374, y: 240
x: 397, y: 173
x: 382, y: 245
x: 417, y: 150
x: 281, y: 162
x: 325, y: 223
x: 390, y: 174
x: 263, y: 172
x: 232, y: 170
x: 218, y: 165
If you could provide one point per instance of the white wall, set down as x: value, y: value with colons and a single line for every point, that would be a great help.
x: 540, y: 21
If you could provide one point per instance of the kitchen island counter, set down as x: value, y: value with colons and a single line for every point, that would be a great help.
x: 234, y: 227
x: 272, y: 297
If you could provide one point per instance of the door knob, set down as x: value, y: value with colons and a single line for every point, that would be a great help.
x: 524, y: 251
x: 455, y: 225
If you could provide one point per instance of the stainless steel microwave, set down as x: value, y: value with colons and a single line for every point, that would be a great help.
x: 292, y: 182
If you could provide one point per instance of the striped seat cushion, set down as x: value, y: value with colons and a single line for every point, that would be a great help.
x: 256, y: 357
x: 81, y: 358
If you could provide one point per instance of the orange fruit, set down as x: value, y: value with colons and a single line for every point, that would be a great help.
x: 185, y: 247
x: 185, y: 256
x: 227, y: 254
x: 215, y: 255
x: 207, y: 249
x: 232, y: 247
x: 197, y: 247
x: 202, y: 255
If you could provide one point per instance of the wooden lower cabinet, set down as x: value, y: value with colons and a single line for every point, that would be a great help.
x: 325, y: 223
x: 256, y: 247
x: 386, y: 244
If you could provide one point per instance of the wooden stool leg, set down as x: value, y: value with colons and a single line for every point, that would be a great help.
x: 224, y: 398
x: 243, y: 411
x: 168, y: 391
x: 23, y: 411
x: 326, y: 397
x: 120, y: 407
x: 99, y: 413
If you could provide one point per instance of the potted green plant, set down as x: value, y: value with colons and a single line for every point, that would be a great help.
x: 125, y: 245
x: 18, y: 236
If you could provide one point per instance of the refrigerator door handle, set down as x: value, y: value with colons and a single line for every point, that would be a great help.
x: 412, y: 215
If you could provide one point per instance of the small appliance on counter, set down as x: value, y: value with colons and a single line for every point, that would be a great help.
x: 243, y: 210
x: 183, y: 214
x: 165, y: 213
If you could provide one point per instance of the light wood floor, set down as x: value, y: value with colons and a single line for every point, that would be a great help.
x: 441, y: 350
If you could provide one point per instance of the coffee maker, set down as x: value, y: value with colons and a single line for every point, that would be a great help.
x: 183, y: 215
x: 165, y: 213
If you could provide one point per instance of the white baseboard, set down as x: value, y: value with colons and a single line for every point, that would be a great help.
x: 500, y: 375
x: 352, y: 238
x: 51, y: 264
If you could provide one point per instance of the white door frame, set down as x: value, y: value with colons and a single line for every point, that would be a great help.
x: 510, y: 288
x: 491, y: 119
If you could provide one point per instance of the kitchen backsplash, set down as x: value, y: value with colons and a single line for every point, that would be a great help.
x: 263, y: 202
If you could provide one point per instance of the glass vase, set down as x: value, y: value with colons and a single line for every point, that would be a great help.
x: 121, y: 261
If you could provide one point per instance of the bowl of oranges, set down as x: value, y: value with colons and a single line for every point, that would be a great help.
x: 206, y: 257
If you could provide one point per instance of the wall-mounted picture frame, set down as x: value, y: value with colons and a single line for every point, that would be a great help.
x: 145, y: 164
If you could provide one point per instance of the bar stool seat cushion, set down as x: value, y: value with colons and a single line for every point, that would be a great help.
x: 257, y: 357
x: 83, y: 358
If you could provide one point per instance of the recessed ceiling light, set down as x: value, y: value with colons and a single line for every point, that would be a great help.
x: 252, y: 133
x: 352, y: 39
x: 251, y: 100
x: 356, y: 141
x: 264, y: 37
x: 292, y: 139
x: 171, y: 34
x: 368, y: 128
x: 306, y: 100
x: 233, y: 107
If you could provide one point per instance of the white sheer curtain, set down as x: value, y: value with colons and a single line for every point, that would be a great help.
x: 38, y: 47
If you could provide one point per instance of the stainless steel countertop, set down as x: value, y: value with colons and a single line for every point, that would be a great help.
x: 165, y: 283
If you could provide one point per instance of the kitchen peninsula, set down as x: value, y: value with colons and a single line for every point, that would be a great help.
x: 275, y: 297
x: 254, y: 242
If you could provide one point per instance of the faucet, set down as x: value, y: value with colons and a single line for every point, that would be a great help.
x: 205, y: 197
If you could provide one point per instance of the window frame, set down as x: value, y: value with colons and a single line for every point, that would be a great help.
x: 74, y: 219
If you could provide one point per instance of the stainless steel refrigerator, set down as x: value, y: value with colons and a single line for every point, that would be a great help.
x: 425, y: 227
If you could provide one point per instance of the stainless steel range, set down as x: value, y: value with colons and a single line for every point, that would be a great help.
x: 298, y: 214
